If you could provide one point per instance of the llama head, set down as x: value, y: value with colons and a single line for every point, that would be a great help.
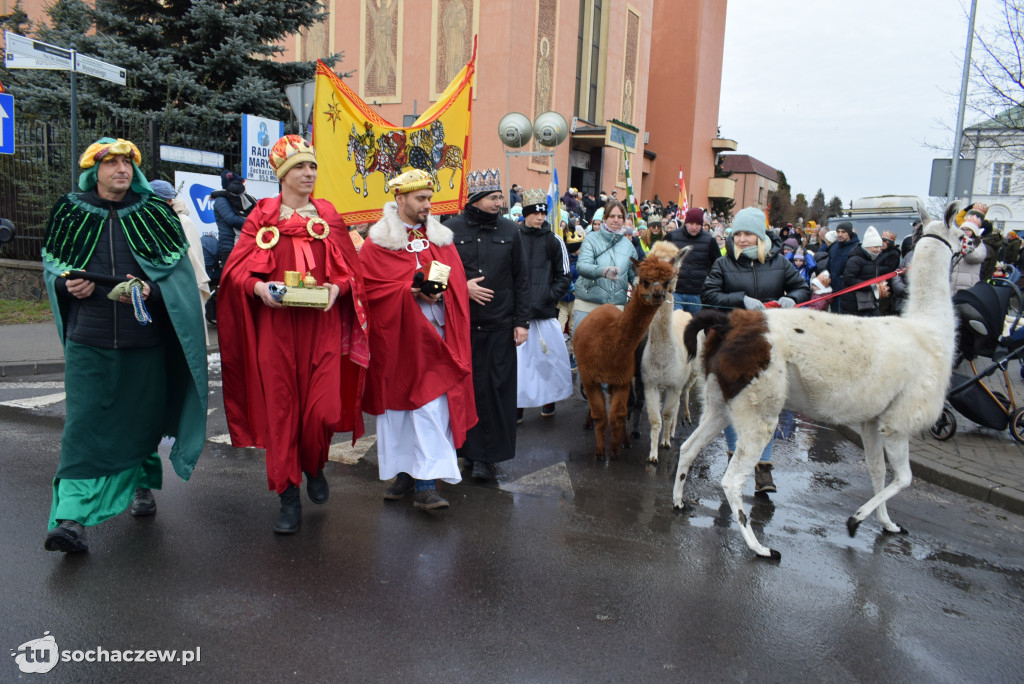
x: 653, y: 277
x: 664, y: 250
x: 946, y: 229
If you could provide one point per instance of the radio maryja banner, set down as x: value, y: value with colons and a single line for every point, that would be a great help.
x: 358, y: 152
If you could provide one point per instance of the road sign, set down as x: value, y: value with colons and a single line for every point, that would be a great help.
x: 184, y: 155
x: 94, y: 67
x: 25, y: 53
x: 6, y: 123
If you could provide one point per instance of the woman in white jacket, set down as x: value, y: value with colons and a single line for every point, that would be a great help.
x: 966, y: 269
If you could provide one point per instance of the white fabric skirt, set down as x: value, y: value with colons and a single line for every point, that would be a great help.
x: 418, y: 442
x: 544, y: 376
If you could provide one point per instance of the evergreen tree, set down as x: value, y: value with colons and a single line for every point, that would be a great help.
x: 780, y: 202
x: 816, y: 212
x: 835, y: 207
x: 192, y: 65
x: 799, y: 210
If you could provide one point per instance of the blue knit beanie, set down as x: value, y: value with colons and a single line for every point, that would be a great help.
x: 750, y: 220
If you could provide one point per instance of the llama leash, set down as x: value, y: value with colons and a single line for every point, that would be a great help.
x: 852, y: 288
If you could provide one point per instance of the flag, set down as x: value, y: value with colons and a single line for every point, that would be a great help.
x: 683, y: 203
x: 554, y: 204
x: 2, y: 88
x: 359, y: 152
x: 631, y: 203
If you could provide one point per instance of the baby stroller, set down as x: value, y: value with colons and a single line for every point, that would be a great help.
x: 983, y: 311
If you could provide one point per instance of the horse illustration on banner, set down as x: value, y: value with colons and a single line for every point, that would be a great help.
x: 391, y: 152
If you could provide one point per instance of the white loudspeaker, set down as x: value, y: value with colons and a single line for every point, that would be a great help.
x: 550, y: 129
x: 515, y: 130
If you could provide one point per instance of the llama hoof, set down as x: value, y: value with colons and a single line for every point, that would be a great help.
x: 773, y: 556
x: 852, y: 524
x: 900, y: 530
x: 653, y: 460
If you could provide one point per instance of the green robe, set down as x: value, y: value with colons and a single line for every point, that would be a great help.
x: 90, y: 489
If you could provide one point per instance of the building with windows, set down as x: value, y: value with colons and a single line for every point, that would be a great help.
x: 653, y: 65
x: 753, y: 180
x: 997, y: 146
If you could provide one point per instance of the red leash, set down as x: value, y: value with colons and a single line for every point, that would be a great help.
x: 825, y: 298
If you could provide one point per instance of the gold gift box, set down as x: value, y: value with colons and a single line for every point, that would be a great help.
x: 312, y: 297
x: 438, y: 273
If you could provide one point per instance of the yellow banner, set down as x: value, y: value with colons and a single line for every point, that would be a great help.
x: 358, y: 151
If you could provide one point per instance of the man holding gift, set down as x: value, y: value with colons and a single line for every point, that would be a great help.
x: 293, y: 375
x: 123, y: 296
x: 420, y: 385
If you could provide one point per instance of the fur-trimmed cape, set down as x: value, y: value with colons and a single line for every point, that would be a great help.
x: 410, y: 364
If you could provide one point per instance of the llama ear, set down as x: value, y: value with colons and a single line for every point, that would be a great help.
x: 678, y: 261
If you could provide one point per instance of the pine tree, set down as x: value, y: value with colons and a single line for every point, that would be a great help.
x: 835, y: 207
x: 816, y: 212
x: 779, y: 202
x: 192, y: 65
x: 723, y: 206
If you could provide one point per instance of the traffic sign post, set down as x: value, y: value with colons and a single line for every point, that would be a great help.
x: 25, y: 53
x: 6, y: 123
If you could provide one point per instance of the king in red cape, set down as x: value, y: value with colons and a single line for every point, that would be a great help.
x: 293, y: 375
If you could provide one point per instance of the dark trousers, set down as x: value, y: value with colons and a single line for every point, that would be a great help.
x: 493, y: 438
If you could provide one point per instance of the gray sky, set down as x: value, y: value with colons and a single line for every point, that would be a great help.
x: 844, y: 96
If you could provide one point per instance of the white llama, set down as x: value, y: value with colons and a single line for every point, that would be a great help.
x: 827, y: 366
x: 665, y: 366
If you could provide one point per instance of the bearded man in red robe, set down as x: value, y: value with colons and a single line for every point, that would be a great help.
x: 420, y: 383
x: 293, y: 375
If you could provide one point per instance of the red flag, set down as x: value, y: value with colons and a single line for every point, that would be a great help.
x: 683, y: 204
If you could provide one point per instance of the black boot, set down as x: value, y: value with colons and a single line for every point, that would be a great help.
x: 291, y: 512
x: 316, y: 487
x: 763, y: 483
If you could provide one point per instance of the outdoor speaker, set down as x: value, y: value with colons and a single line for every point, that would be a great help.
x: 514, y: 129
x: 6, y: 231
x: 550, y: 129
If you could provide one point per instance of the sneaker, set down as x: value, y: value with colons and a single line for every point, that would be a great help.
x: 429, y: 500
x: 547, y: 410
x: 316, y: 487
x: 68, y: 536
x: 519, y: 416
x: 763, y: 483
x: 402, y: 485
x: 143, y: 504
x: 483, y: 471
x: 572, y: 362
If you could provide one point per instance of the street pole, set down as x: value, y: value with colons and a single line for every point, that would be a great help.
x: 74, y: 123
x: 958, y: 137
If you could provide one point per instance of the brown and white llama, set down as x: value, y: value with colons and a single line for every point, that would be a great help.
x: 829, y: 367
x: 665, y: 367
x: 605, y: 341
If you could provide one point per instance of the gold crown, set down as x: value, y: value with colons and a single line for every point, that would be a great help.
x: 415, y: 179
x: 289, y: 151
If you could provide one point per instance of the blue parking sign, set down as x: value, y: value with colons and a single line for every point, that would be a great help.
x: 6, y: 123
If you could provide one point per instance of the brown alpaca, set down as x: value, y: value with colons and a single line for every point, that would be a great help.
x: 605, y: 342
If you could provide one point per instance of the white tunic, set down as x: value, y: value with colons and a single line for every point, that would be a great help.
x: 419, y: 442
x: 544, y: 376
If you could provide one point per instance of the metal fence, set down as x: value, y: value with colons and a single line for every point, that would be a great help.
x: 40, y: 170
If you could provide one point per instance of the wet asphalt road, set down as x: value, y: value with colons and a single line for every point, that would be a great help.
x: 569, y: 569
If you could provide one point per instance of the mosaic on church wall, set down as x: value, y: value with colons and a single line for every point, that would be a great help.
x: 631, y: 54
x: 544, y: 69
x: 380, y: 73
x: 453, y: 28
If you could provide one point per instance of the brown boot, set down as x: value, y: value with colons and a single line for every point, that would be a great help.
x: 763, y: 483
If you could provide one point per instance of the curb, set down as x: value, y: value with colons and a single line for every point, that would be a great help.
x: 10, y: 370
x: 982, y: 489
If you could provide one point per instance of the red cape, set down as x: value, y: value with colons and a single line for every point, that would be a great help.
x: 411, y: 365
x: 245, y: 393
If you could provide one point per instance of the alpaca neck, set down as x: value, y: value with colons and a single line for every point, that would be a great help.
x: 635, y: 320
x: 930, y: 298
x: 661, y: 325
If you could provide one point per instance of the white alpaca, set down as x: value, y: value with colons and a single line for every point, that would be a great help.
x: 828, y: 367
x: 667, y: 368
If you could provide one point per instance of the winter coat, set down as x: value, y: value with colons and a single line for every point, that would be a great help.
x: 838, y: 253
x: 821, y: 262
x: 574, y: 273
x: 859, y: 268
x: 966, y: 269
x: 807, y: 271
x: 993, y: 246
x: 731, y: 279
x: 548, y: 265
x: 697, y: 264
x: 889, y: 260
x: 601, y: 249
x: 492, y: 247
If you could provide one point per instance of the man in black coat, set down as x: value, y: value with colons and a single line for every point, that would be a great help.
x: 491, y: 249
x: 698, y: 263
x: 839, y: 251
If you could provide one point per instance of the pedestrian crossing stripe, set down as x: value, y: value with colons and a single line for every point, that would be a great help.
x: 35, y: 402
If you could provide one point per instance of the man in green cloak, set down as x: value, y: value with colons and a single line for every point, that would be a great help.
x: 124, y: 298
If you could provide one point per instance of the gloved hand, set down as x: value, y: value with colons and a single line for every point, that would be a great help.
x: 610, y: 272
x: 966, y: 245
x: 752, y: 304
x: 786, y: 302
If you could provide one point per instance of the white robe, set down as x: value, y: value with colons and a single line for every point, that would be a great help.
x: 544, y: 376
